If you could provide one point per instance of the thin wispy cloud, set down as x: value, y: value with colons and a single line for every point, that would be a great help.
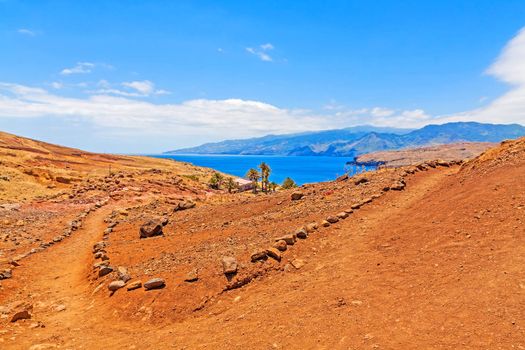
x: 382, y: 112
x: 79, y: 68
x: 142, y: 88
x: 57, y: 85
x: 26, y: 32
x: 262, y: 52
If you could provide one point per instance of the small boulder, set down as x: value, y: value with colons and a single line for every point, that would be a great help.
x: 332, y: 219
x: 116, y: 285
x: 274, y: 253
x: 229, y: 265
x: 325, y: 223
x: 280, y: 245
x: 297, y: 195
x: 134, y: 285
x: 258, y: 255
x: 154, y: 283
x: 151, y: 228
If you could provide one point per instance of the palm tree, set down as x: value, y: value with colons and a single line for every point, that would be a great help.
x: 230, y: 184
x: 265, y: 174
x: 254, y: 176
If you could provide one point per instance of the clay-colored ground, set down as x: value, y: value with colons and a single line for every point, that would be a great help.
x: 411, y: 156
x: 436, y: 265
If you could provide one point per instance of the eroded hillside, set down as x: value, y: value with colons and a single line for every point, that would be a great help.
x: 426, y: 256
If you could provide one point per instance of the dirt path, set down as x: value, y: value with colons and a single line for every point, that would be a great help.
x: 331, y: 302
x: 56, y: 282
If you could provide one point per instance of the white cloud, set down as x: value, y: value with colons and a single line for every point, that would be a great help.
x: 262, y: 52
x: 25, y: 31
x: 220, y: 119
x: 114, y: 107
x: 80, y: 68
x: 267, y: 46
x: 509, y: 67
x: 144, y: 87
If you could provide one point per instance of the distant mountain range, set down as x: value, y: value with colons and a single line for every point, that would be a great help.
x: 354, y: 141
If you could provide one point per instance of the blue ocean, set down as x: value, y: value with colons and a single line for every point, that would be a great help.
x: 301, y: 169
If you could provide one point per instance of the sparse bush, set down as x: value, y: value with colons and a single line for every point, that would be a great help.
x: 216, y: 180
x: 288, y: 183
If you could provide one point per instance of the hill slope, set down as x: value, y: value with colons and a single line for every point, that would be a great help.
x: 31, y: 168
x: 413, y: 156
x: 429, y: 257
x: 352, y: 142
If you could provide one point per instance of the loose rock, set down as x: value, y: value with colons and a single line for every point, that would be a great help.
x: 298, y: 263
x: 192, y: 276
x: 104, y: 270
x: 332, y: 219
x: 289, y: 239
x: 229, y: 265
x: 154, y: 283
x: 123, y: 274
x: 301, y: 233
x: 151, y: 228
x: 21, y: 311
x: 342, y: 215
x: 296, y: 196
x: 280, y: 245
x: 116, y: 285
x: 311, y: 227
x: 184, y: 205
x: 134, y: 285
x: 259, y: 255
x: 274, y: 253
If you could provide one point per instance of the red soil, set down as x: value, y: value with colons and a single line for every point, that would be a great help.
x: 436, y: 265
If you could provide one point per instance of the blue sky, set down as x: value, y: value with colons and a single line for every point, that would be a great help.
x: 147, y: 76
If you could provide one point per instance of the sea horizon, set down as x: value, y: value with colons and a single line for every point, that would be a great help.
x: 302, y: 169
